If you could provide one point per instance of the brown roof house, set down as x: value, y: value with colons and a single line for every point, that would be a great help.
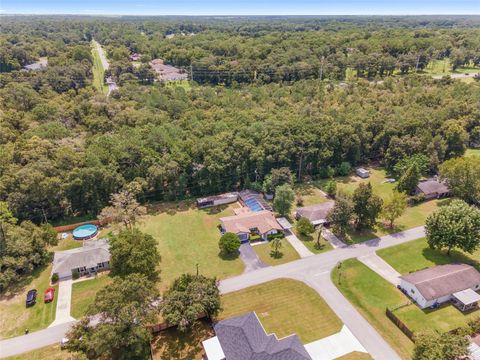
x: 244, y: 338
x: 244, y: 224
x: 432, y: 189
x: 436, y: 285
x: 168, y: 72
x: 317, y: 214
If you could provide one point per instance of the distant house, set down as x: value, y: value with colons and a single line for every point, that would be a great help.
x: 243, y: 337
x: 363, y: 173
x: 91, y: 258
x: 317, y: 214
x: 40, y: 64
x: 432, y: 189
x: 168, y: 72
x: 439, y: 284
x: 217, y: 200
x: 248, y: 223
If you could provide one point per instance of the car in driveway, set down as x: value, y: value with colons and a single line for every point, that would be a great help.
x: 31, y: 297
x: 49, y: 295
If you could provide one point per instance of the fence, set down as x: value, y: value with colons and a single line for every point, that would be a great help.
x: 70, y: 227
x: 400, y: 324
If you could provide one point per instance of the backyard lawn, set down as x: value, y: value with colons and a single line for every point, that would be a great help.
x: 371, y: 295
x: 16, y: 317
x: 284, y: 307
x: 310, y: 194
x: 472, y: 152
x: 83, y: 294
x: 187, y: 236
x: 286, y: 253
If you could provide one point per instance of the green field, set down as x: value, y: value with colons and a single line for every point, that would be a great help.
x: 52, y: 352
x: 286, y: 253
x: 472, y: 152
x: 371, y: 295
x: 187, y: 236
x: 98, y: 72
x: 16, y: 317
x: 310, y: 242
x: 83, y: 294
x: 284, y: 307
x: 310, y: 194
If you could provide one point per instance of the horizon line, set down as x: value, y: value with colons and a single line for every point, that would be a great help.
x: 233, y: 15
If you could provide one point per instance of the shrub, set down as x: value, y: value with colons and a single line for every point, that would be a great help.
x: 416, y: 199
x: 331, y: 188
x: 229, y: 243
x: 75, y: 274
x: 55, y: 278
x: 326, y: 172
x: 344, y: 169
x: 304, y: 227
x: 255, y: 237
x: 299, y: 200
x: 279, y: 235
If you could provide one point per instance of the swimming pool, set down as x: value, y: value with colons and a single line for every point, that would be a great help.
x: 84, y: 232
x: 254, y: 205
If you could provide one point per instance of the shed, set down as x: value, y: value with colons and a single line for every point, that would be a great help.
x: 363, y: 173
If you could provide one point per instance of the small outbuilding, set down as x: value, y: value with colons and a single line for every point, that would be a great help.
x: 363, y: 173
x: 432, y: 189
x: 217, y: 200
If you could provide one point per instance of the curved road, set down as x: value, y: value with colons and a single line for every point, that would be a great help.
x: 313, y: 270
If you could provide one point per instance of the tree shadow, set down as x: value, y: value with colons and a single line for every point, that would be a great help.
x: 171, y: 208
x: 440, y: 257
x: 215, y: 209
x: 276, y: 254
x: 228, y: 257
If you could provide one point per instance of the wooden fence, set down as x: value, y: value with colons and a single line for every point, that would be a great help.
x: 70, y: 227
x: 400, y: 324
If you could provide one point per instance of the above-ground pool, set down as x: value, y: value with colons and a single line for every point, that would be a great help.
x: 84, y: 232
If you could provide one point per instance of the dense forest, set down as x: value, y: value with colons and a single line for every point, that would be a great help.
x: 64, y: 148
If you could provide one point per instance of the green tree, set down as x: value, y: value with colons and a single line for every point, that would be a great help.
x: 122, y: 311
x: 229, y: 243
x: 409, y: 180
x: 304, y: 227
x: 342, y: 214
x: 420, y: 160
x: 456, y: 225
x: 276, y: 178
x: 276, y: 245
x: 189, y: 297
x: 462, y: 176
x: 394, y: 207
x: 331, y: 188
x: 440, y: 346
x: 284, y: 198
x: 455, y: 137
x: 366, y: 206
x: 344, y: 169
x: 134, y: 252
x: 124, y: 209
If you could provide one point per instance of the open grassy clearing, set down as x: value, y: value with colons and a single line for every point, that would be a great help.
x: 310, y: 242
x: 284, y: 307
x: 188, y: 236
x: 310, y: 194
x: 444, y: 67
x: 286, y: 253
x: 53, y: 352
x: 98, y: 72
x: 371, y: 295
x: 83, y: 294
x: 16, y: 317
x: 174, y: 344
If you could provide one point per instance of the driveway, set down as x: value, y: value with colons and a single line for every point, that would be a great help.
x: 250, y: 258
x: 381, y: 267
x: 334, y: 346
x: 297, y: 244
x: 332, y: 239
x: 64, y: 302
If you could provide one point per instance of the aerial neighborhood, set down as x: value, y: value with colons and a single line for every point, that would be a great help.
x: 239, y: 187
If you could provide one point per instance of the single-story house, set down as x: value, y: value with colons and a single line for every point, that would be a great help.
x: 362, y: 172
x: 317, y: 214
x: 439, y: 284
x: 243, y: 337
x: 217, y: 200
x: 168, y: 72
x: 91, y: 258
x: 261, y: 223
x: 432, y: 189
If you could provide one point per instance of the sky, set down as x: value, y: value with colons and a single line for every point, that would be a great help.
x: 241, y: 7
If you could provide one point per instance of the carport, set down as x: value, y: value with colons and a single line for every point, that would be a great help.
x: 466, y: 299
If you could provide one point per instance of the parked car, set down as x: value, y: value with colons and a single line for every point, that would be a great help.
x: 49, y: 295
x: 31, y: 297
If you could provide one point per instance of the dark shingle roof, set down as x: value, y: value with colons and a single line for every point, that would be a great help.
x: 443, y: 280
x: 243, y: 338
x: 317, y: 212
x: 432, y: 186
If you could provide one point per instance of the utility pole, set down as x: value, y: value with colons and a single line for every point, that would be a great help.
x: 197, y: 269
x: 320, y: 73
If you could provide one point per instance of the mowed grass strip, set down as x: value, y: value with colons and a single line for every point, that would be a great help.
x: 98, y: 72
x: 371, y: 295
x: 284, y: 307
x: 84, y: 292
x: 53, y: 352
x: 187, y: 236
x: 286, y: 253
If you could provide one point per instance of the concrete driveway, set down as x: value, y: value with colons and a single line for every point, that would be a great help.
x: 250, y: 258
x: 64, y: 303
x: 381, y: 267
x: 297, y: 244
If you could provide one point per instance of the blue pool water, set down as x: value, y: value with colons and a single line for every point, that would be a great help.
x: 254, y: 205
x: 86, y: 231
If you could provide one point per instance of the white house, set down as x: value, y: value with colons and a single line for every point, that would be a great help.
x: 439, y: 284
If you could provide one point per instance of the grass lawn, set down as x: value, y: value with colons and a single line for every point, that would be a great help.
x: 187, y: 236
x: 98, y: 72
x: 286, y: 253
x: 355, y: 356
x: 67, y: 244
x: 52, y: 352
x: 371, y: 295
x: 310, y: 194
x: 284, y: 307
x: 16, y: 317
x: 173, y: 344
x: 472, y: 152
x: 416, y: 255
x: 310, y: 242
x: 83, y: 294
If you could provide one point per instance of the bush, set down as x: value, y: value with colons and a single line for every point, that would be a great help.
x: 55, y: 278
x: 416, y: 199
x: 229, y: 243
x: 279, y: 235
x: 326, y: 172
x: 304, y: 227
x: 344, y: 169
x: 75, y: 274
x: 255, y: 237
x: 331, y: 188
x: 299, y: 200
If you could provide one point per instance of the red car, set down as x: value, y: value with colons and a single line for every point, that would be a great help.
x: 49, y: 294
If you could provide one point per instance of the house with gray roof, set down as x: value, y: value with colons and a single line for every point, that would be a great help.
x: 317, y: 214
x: 92, y: 257
x: 458, y: 283
x: 244, y: 338
x: 432, y: 189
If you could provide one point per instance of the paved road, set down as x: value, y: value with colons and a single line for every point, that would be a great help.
x: 313, y: 270
x: 250, y: 258
x: 298, y: 245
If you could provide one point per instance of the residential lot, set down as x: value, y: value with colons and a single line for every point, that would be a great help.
x: 286, y: 253
x: 53, y: 352
x: 310, y: 242
x: 310, y: 194
x: 83, y: 294
x: 284, y: 307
